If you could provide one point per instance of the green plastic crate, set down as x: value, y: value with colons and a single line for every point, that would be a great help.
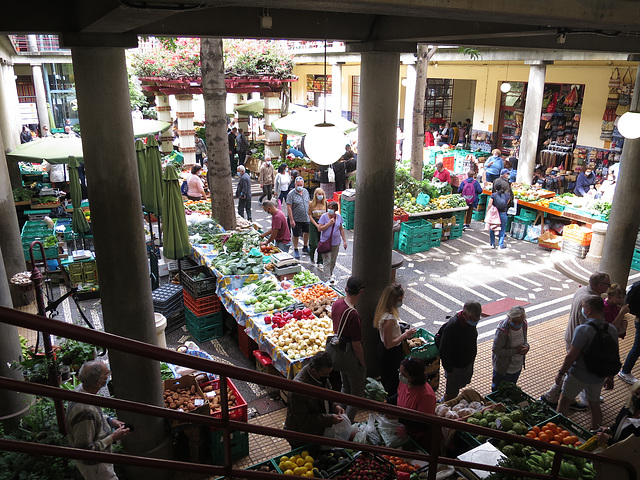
x: 527, y: 214
x: 523, y: 220
x: 204, y: 328
x: 456, y: 231
x: 396, y: 240
x: 414, y: 239
x: 436, y: 234
x: 556, y: 206
x: 50, y: 253
x: 415, y: 228
x: 460, y: 217
x: 414, y: 248
x: 436, y: 243
x: 239, y: 445
x: 483, y: 199
x: 478, y: 215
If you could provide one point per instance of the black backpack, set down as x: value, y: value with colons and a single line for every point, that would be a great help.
x: 438, y: 337
x: 633, y: 299
x: 602, y: 355
x: 501, y: 200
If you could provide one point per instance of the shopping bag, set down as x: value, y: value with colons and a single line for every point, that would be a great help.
x: 393, y: 433
x: 513, y: 210
x: 331, y: 175
x: 340, y: 430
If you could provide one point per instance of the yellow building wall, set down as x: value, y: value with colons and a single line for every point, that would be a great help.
x: 488, y: 77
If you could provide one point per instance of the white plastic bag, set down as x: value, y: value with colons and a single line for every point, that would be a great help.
x: 373, y: 437
x: 340, y: 430
x: 393, y: 433
x: 513, y: 210
x: 331, y: 175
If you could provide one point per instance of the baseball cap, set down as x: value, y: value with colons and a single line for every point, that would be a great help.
x: 354, y: 285
x: 503, y: 171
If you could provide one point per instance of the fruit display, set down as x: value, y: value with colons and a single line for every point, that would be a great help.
x: 462, y: 409
x: 314, y: 293
x: 330, y: 462
x: 552, y: 433
x: 302, y: 338
x: 197, y: 206
x: 513, y: 398
x: 445, y: 202
x: 399, y: 211
x: 184, y: 399
x: 269, y: 249
x: 507, y: 422
x: 304, y: 277
x: 367, y: 466
x: 280, y: 319
x: 401, y: 465
x: 300, y: 465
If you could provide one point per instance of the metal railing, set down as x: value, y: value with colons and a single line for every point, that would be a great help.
x: 115, y: 342
x: 44, y: 43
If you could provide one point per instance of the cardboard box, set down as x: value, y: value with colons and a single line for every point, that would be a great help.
x: 186, y: 382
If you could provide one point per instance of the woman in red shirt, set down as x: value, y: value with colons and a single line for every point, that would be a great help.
x: 429, y: 141
x: 416, y: 394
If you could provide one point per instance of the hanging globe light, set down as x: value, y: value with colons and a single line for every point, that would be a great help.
x: 505, y: 87
x: 324, y: 144
x: 629, y: 125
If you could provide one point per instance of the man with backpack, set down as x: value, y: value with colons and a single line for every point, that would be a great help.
x: 592, y: 361
x: 470, y: 190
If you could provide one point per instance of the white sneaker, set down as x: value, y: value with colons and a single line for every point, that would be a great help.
x: 332, y: 280
x: 627, y: 377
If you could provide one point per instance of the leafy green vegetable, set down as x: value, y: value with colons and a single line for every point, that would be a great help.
x: 50, y: 241
x: 304, y: 277
x: 45, y: 200
x: 22, y: 194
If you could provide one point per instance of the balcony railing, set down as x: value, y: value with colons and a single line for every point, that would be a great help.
x: 43, y: 43
x: 122, y: 344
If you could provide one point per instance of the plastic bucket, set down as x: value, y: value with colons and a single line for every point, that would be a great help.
x: 161, y: 324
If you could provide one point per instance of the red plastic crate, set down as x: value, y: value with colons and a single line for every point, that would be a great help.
x: 237, y: 413
x: 247, y: 346
x: 401, y: 218
x: 202, y: 306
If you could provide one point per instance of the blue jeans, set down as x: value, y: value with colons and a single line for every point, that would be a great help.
x: 503, y: 226
x: 634, y: 353
x: 490, y: 177
x: 507, y: 377
x: 284, y: 246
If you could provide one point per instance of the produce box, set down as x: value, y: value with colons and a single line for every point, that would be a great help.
x: 478, y: 215
x: 239, y: 445
x: 556, y: 206
x: 456, y: 231
x: 183, y: 385
x: 396, y: 240
x: 246, y: 344
x: 577, y: 234
x: 410, y: 249
x: 322, y: 462
x: 237, y: 412
x: 199, y: 281
x: 549, y: 240
x: 373, y: 466
x: 564, y: 424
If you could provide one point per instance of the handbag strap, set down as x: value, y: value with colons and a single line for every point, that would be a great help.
x: 342, y: 323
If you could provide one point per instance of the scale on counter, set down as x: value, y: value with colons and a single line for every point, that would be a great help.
x: 48, y: 191
x: 282, y: 260
x: 285, y: 264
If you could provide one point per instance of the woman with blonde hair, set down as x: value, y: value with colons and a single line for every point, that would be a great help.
x: 387, y: 321
x: 317, y: 207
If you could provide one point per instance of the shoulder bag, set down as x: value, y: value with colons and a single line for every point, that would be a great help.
x: 324, y: 246
x: 338, y: 347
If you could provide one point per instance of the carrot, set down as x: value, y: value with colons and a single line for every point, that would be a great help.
x: 315, y: 292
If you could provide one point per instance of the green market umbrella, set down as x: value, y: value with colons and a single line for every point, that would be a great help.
x: 300, y: 123
x: 152, y: 186
x: 176, y: 238
x: 143, y: 127
x: 254, y: 108
x: 79, y: 222
x: 141, y: 160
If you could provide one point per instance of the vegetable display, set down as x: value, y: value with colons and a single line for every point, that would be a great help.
x: 304, y: 277
x: 205, y: 232
x: 301, y: 465
x: 513, y: 398
x: 22, y: 194
x: 280, y: 319
x: 314, y: 293
x: 45, y: 200
x: 270, y: 301
x: 50, y: 241
x: 237, y: 263
x: 182, y: 398
x: 368, y: 467
x: 197, y: 206
x: 448, y: 201
x: 302, y: 338
x: 215, y: 399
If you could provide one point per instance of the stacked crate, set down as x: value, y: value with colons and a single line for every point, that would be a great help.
x: 83, y: 272
x: 167, y: 299
x: 37, y: 230
x: 348, y: 211
x: 481, y: 210
x: 415, y: 236
x: 576, y: 240
x: 203, y: 309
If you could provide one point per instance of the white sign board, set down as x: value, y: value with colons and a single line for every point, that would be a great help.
x: 28, y: 113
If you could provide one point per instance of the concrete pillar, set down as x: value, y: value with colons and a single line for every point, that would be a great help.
x: 271, y: 113
x: 376, y: 173
x: 10, y: 241
x: 531, y: 124
x: 164, y: 114
x: 41, y: 96
x: 624, y: 219
x: 185, y: 128
x: 336, y: 88
x: 32, y: 43
x: 597, y: 240
x: 409, y: 97
x: 13, y: 405
x: 242, y: 120
x: 103, y: 99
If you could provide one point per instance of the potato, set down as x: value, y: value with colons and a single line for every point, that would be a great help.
x: 173, y: 406
x: 208, y: 388
x: 193, y: 389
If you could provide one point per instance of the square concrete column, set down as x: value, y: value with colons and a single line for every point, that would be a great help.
x: 409, y: 97
x: 164, y: 115
x: 41, y: 96
x: 121, y: 254
x: 336, y: 88
x: 185, y: 128
x: 531, y: 124
x: 375, y: 183
x: 272, y: 112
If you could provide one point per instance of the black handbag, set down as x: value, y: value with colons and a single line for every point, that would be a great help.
x: 337, y: 346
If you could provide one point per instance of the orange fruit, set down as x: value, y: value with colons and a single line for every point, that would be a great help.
x: 555, y: 442
x: 551, y: 426
x: 557, y: 438
x: 535, y: 430
x: 577, y: 444
x: 531, y: 435
x: 544, y: 437
x: 565, y: 433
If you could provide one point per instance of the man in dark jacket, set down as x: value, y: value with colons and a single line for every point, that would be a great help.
x: 309, y: 414
x: 243, y: 192
x: 231, y: 138
x: 459, y: 346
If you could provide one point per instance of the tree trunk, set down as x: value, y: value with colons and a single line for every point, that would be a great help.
x: 219, y: 166
x: 417, y: 131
